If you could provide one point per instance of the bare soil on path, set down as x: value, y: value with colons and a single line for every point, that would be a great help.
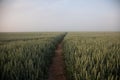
x: 57, y: 68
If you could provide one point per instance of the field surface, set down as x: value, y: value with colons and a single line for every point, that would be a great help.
x: 92, y: 56
x: 27, y: 56
x: 60, y: 56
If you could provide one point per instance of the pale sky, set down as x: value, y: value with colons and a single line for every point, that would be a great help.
x: 59, y: 15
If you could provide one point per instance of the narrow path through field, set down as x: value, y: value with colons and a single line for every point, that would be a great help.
x: 56, y: 70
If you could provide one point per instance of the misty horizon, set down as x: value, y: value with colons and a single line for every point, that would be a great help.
x: 60, y: 15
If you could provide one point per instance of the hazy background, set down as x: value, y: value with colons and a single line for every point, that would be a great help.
x: 59, y: 15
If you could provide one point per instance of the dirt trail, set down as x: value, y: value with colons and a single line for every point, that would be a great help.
x: 56, y: 70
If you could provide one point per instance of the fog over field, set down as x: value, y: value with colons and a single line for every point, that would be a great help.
x: 59, y: 15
